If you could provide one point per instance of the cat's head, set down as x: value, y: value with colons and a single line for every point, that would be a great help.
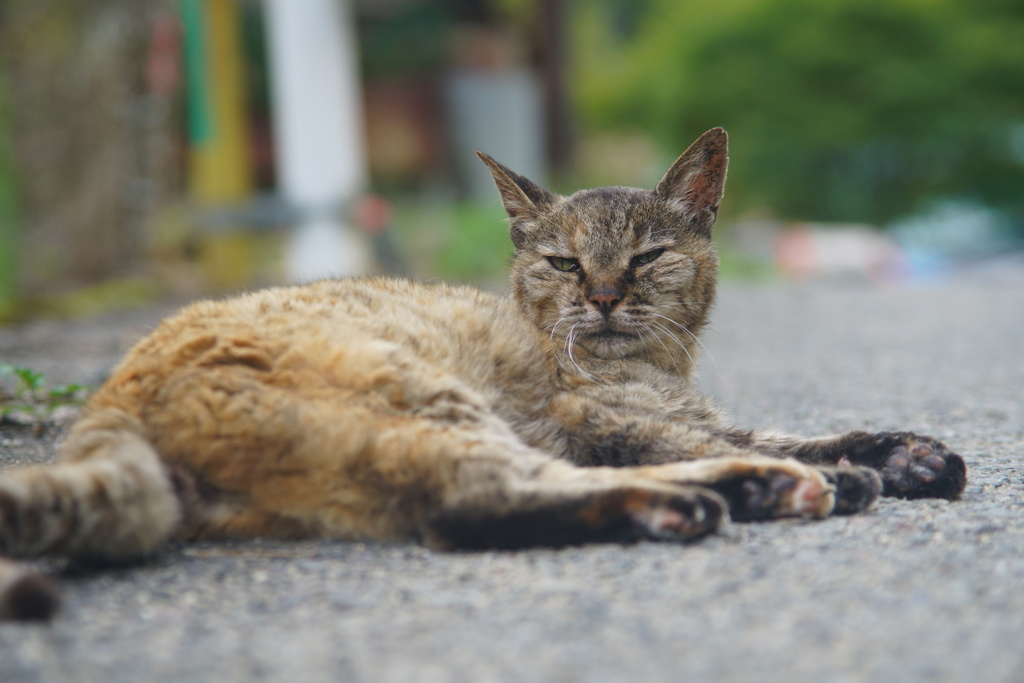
x: 620, y: 272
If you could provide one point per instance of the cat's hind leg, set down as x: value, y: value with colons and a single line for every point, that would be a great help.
x: 381, y: 446
x: 463, y: 480
x: 533, y: 500
x: 562, y: 504
x: 624, y: 512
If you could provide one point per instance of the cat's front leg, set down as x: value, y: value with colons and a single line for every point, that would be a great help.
x: 911, y: 466
x: 755, y: 486
x: 758, y: 487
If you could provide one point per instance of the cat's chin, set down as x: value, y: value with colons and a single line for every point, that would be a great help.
x: 610, y: 344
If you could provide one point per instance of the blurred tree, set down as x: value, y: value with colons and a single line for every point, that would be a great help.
x: 859, y: 110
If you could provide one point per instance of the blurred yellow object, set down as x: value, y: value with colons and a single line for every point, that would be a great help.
x: 219, y: 166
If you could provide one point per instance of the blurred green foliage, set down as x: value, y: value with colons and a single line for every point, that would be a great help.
x: 23, y: 392
x: 460, y: 241
x: 852, y: 110
x: 9, y: 218
x: 406, y: 39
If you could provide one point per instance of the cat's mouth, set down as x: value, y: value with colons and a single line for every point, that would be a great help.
x: 608, y: 342
x: 610, y: 334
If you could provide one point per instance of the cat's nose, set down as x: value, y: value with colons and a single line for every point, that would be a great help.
x: 605, y: 297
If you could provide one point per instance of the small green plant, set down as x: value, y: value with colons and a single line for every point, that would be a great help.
x: 23, y: 391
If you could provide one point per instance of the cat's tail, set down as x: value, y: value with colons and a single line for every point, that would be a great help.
x: 26, y: 595
x: 110, y: 499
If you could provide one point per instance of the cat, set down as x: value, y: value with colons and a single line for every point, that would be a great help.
x: 384, y: 409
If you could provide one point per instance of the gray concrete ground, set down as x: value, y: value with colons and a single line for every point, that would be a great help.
x: 910, y: 591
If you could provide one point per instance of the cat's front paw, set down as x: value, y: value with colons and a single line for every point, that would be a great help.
x: 856, y: 487
x: 911, y: 466
x: 758, y: 490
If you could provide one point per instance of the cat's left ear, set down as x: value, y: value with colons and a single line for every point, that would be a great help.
x: 522, y: 198
x: 695, y: 182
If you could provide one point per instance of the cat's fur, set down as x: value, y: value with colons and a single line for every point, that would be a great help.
x: 385, y: 409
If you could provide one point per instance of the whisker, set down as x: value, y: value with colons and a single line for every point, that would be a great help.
x: 570, y: 339
x: 565, y: 350
x: 640, y: 336
x: 695, y: 338
x: 555, y: 327
x: 723, y: 338
x: 559, y: 353
x: 677, y: 341
x: 667, y: 352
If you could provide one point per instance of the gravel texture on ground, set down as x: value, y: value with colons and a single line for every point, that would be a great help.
x: 909, y: 591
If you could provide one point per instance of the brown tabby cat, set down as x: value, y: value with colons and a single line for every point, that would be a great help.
x: 385, y: 409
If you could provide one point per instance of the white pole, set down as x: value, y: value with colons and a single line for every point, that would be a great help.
x: 318, y: 131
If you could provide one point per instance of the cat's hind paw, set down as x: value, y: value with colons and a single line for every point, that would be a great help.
x: 683, y: 516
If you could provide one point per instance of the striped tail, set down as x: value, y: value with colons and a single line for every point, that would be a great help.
x: 26, y: 595
x: 109, y: 499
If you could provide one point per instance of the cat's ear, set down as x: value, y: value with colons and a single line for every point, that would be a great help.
x: 696, y: 181
x: 522, y: 198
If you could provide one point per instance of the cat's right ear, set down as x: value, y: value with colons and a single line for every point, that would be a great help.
x: 523, y: 199
x: 696, y: 181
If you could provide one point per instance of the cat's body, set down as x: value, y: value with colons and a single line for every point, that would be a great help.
x: 379, y: 408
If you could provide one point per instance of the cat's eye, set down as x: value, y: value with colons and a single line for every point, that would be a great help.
x: 569, y: 265
x: 644, y: 259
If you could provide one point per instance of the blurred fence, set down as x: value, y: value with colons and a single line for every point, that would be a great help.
x: 109, y: 110
x: 92, y: 136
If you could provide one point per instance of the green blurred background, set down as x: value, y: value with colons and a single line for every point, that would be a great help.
x: 876, y: 139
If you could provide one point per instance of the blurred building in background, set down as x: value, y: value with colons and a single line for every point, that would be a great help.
x: 154, y: 146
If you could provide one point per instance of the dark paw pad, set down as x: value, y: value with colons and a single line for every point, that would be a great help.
x: 856, y: 487
x: 920, y: 467
x: 692, y: 513
x: 759, y: 497
x: 774, y: 494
